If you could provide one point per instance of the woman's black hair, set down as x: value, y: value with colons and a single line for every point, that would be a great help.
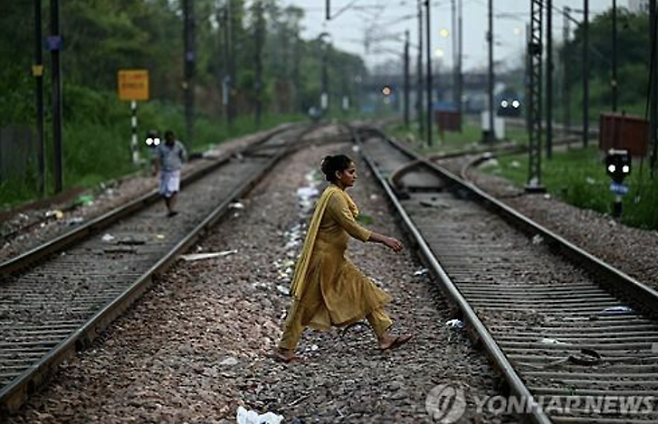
x: 331, y: 164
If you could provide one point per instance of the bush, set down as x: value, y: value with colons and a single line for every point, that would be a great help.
x: 97, y: 136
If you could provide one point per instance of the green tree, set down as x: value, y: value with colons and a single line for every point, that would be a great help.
x: 633, y: 65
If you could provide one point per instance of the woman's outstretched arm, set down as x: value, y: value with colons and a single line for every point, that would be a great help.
x: 338, y: 208
x: 391, y: 242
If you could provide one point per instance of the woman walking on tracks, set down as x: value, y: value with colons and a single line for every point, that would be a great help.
x: 327, y: 289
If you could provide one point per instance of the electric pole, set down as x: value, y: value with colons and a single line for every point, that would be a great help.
x: 345, y: 104
x: 453, y: 5
x: 460, y: 76
x: 419, y: 85
x: 535, y: 47
x: 613, y: 83
x: 549, y: 79
x: 491, y: 137
x: 37, y: 71
x: 653, y: 117
x: 189, y: 59
x: 586, y: 73
x: 295, y: 72
x: 55, y: 44
x: 259, y: 35
x: 324, y: 99
x: 406, y: 79
x: 226, y: 53
x: 566, y: 101
x: 429, y: 73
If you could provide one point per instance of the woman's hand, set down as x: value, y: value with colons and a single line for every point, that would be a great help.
x: 387, y: 241
x: 394, y: 244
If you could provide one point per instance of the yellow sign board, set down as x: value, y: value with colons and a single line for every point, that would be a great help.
x: 134, y: 84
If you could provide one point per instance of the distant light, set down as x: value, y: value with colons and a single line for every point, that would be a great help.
x: 625, y: 169
x: 386, y: 91
x: 504, y: 104
x: 439, y: 53
x: 149, y: 141
x: 611, y: 169
x: 156, y: 141
x: 516, y: 104
x: 444, y: 33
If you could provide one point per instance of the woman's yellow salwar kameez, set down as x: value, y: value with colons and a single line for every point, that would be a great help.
x: 327, y: 289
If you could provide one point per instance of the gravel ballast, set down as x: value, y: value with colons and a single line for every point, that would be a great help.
x: 631, y: 250
x: 113, y: 195
x: 196, y: 346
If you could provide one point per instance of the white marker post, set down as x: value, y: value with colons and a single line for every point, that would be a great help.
x: 133, y: 86
x: 133, y: 141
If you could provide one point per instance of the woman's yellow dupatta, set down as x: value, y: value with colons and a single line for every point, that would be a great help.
x: 299, y: 277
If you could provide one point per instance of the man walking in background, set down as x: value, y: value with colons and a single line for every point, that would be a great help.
x: 169, y: 159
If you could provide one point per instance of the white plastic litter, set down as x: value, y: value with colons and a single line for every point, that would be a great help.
x: 108, y: 238
x: 421, y: 272
x: 199, y: 256
x: 547, y: 340
x: 455, y: 323
x: 252, y: 417
x: 306, y: 192
x: 75, y: 221
x: 229, y: 362
x: 307, y: 197
x: 56, y: 213
x: 617, y: 310
x: 378, y: 283
x: 490, y: 163
x: 236, y: 205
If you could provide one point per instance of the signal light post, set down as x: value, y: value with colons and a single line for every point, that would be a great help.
x: 618, y: 166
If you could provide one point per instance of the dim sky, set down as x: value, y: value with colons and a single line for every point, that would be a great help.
x: 388, y: 19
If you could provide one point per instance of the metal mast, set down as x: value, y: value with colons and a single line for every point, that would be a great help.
x: 586, y: 73
x: 406, y: 79
x: 419, y: 84
x: 534, y: 90
x: 189, y: 60
x: 490, y: 40
x: 429, y: 74
x: 549, y: 79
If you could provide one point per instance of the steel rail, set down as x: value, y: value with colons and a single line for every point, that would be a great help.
x: 103, y: 221
x: 631, y: 290
x: 18, y: 391
x: 448, y: 287
x: 637, y: 294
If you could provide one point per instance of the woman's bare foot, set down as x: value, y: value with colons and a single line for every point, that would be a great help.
x: 388, y: 341
x: 284, y: 355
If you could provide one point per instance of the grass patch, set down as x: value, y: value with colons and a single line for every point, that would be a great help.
x: 469, y: 138
x: 578, y: 177
x: 96, y: 139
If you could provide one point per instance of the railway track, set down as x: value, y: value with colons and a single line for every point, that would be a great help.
x: 575, y: 339
x: 57, y: 298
